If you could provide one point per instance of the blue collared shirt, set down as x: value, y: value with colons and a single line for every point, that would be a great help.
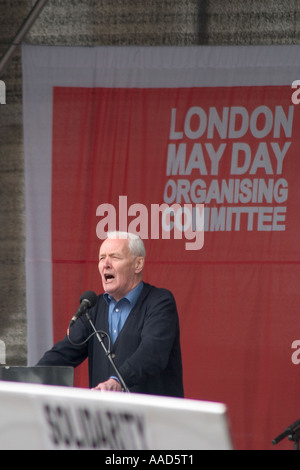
x: 119, y: 311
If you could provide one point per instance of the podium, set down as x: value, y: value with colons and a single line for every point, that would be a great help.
x: 63, y: 376
x: 47, y: 417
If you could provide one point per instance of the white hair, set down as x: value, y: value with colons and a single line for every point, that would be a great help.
x: 135, y: 243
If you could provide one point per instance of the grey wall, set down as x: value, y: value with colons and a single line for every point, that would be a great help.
x: 104, y: 22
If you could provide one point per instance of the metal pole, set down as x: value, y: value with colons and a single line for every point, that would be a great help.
x: 33, y: 14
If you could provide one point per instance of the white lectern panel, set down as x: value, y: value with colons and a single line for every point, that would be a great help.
x: 50, y: 417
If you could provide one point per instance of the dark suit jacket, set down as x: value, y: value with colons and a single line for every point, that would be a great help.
x: 147, y: 351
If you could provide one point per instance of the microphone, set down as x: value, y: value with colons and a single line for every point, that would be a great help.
x: 87, y: 300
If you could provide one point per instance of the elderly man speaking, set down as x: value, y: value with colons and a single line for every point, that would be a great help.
x: 141, y: 322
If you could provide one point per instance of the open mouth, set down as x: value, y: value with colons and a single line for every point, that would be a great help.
x: 108, y: 277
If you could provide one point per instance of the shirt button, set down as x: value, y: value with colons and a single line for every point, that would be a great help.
x: 117, y: 309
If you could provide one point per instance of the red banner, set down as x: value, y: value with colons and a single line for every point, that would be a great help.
x: 140, y: 139
x: 117, y: 152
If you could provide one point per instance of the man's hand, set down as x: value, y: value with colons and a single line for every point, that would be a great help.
x: 111, y: 385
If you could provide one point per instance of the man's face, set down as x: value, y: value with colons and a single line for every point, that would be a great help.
x: 119, y: 270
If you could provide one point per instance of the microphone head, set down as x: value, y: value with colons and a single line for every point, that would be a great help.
x: 90, y: 297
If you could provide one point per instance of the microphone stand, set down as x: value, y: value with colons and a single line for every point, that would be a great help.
x: 293, y: 433
x: 108, y: 354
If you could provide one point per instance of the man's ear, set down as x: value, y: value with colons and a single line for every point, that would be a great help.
x: 139, y: 264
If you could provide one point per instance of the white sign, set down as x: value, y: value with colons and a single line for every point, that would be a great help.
x: 63, y: 418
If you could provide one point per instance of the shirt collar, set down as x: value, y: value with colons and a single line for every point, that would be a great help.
x: 132, y: 296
